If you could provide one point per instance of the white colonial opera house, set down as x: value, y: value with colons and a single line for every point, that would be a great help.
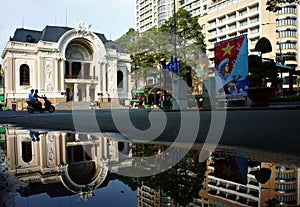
x: 65, y: 64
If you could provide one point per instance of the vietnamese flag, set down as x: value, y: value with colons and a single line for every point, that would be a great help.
x: 228, y: 49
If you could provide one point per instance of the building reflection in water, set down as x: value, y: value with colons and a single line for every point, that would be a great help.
x: 77, y: 163
x: 63, y: 164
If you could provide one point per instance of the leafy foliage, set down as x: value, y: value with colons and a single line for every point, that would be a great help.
x: 262, y: 72
x: 147, y: 49
x: 263, y: 45
x: 273, y: 5
x: 182, y: 182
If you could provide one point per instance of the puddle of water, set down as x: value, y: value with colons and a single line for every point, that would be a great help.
x: 52, y: 168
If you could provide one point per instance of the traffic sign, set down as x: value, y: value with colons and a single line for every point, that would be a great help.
x: 173, y: 66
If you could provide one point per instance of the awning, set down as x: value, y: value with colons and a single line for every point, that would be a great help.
x: 285, y: 68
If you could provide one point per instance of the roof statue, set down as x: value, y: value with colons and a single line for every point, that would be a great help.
x: 83, y: 29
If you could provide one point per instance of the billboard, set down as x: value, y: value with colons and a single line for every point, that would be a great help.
x: 231, y: 63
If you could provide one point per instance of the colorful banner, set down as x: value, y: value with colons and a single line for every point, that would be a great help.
x: 231, y: 63
x: 231, y: 168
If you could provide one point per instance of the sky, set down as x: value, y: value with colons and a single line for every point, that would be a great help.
x: 112, y: 18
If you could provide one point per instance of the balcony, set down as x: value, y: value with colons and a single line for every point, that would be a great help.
x: 84, y: 77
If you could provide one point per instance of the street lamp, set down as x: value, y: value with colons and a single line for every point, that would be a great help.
x: 174, y: 15
x: 279, y: 43
x: 280, y: 59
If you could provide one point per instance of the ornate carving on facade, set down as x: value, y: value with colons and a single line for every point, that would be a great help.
x: 110, y: 74
x: 50, y: 151
x: 78, y: 57
x: 48, y: 77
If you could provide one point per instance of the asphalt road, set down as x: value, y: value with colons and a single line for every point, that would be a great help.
x: 272, y: 129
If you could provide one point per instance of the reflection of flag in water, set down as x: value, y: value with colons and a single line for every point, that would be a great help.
x: 232, y: 168
x: 231, y: 62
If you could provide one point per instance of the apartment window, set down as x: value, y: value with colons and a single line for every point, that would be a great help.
x: 286, y: 80
x: 214, y: 32
x: 243, y: 23
x: 243, y: 32
x: 223, y: 38
x: 150, y: 81
x: 232, y: 16
x: 253, y: 42
x: 243, y: 12
x: 289, y: 9
x: 24, y: 75
x: 253, y: 20
x: 232, y: 26
x: 286, y: 21
x: 222, y: 19
x: 254, y: 30
x: 290, y: 199
x: 288, y: 45
x: 286, y: 187
x: 286, y: 33
x: 223, y: 29
x: 212, y: 23
x: 254, y: 9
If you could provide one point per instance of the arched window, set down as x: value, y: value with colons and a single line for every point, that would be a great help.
x: 26, y: 151
x: 120, y: 79
x: 24, y: 75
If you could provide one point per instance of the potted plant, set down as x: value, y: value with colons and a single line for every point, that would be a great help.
x: 261, y: 72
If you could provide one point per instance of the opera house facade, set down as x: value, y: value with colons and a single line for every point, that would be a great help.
x: 65, y: 64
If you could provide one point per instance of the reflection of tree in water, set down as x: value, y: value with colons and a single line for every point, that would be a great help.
x: 182, y: 182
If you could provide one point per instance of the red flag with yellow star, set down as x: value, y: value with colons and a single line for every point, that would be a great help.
x: 228, y: 49
x: 231, y: 63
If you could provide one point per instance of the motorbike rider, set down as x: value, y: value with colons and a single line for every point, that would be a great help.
x: 30, y: 95
x: 37, y: 102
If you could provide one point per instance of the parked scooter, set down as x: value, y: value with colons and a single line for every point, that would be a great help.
x: 33, y: 106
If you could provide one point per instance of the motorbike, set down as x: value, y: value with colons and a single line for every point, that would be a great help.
x: 33, y: 106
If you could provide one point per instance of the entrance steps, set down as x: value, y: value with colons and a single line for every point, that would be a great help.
x: 83, y: 105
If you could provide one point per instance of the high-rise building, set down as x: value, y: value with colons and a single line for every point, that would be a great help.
x: 227, y: 19
x: 224, y: 19
x: 153, y: 13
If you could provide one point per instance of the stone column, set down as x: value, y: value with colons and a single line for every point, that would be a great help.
x: 55, y: 74
x: 87, y: 91
x: 62, y: 75
x: 77, y: 137
x: 70, y: 69
x: 103, y: 76
x: 75, y: 95
x: 82, y: 70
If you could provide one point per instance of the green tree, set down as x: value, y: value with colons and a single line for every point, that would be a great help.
x: 188, y: 30
x: 272, y: 203
x: 127, y: 41
x: 150, y: 47
x: 261, y: 71
x: 273, y: 5
x: 190, y: 42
